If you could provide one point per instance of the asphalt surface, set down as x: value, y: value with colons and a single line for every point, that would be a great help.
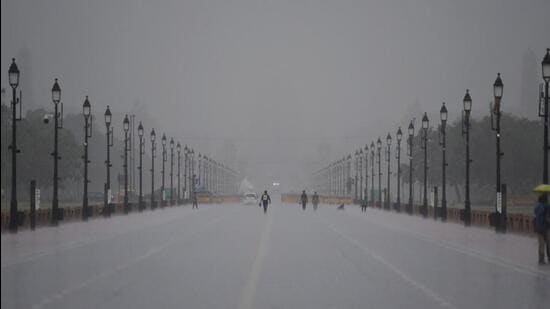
x: 235, y: 256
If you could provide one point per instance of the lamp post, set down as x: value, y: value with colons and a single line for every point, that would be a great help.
x: 56, y: 99
x: 372, y: 174
x: 410, y: 154
x: 13, y: 76
x: 399, y: 136
x: 86, y: 111
x: 388, y: 161
x: 178, y: 147
x: 379, y: 147
x: 140, y: 168
x: 153, y: 156
x: 366, y: 197
x: 467, y: 106
x: 162, y: 193
x: 425, y: 125
x: 185, y: 169
x: 126, y: 127
x: 109, y: 134
x: 500, y: 217
x: 360, y: 168
x: 443, y: 143
x: 356, y: 168
x: 546, y: 77
x: 171, y: 171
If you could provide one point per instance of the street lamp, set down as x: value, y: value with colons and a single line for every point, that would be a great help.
x: 399, y: 136
x: 410, y: 154
x: 56, y: 99
x: 372, y: 174
x: 425, y: 125
x: 360, y: 168
x: 109, y: 130
x: 171, y: 171
x: 185, y: 169
x: 13, y: 76
x: 467, y: 106
x: 179, y: 171
x: 546, y: 77
x: 126, y: 127
x: 87, y: 112
x: 356, y: 168
x: 162, y: 193
x: 366, y: 197
x: 379, y: 147
x: 153, y: 156
x: 388, y: 161
x: 443, y: 143
x: 500, y: 215
x: 140, y: 168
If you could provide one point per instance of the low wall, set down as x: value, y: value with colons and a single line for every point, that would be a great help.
x: 515, y: 223
x: 72, y: 214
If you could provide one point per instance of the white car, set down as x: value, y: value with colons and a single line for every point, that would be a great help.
x: 250, y: 198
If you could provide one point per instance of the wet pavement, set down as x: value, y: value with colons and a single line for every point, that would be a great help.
x: 234, y: 256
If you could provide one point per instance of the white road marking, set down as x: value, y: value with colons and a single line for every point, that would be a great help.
x: 249, y: 291
x: 427, y: 291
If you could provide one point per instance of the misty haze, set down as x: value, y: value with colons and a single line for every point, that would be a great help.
x: 275, y: 154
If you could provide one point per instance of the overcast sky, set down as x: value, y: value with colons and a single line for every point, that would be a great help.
x: 277, y: 78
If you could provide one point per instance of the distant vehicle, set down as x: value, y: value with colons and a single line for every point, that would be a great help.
x: 250, y: 198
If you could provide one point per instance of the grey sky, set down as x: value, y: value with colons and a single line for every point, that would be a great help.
x: 276, y: 77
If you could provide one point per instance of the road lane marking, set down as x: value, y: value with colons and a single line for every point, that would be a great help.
x: 524, y: 269
x: 29, y: 257
x: 249, y: 291
x: 427, y: 291
x: 176, y: 236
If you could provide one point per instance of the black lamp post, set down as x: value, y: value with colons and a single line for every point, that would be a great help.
x: 13, y: 76
x: 185, y: 169
x: 179, y: 172
x: 140, y: 168
x: 171, y: 171
x: 366, y: 196
x: 379, y: 147
x: 388, y: 161
x: 356, y: 177
x: 360, y: 169
x: 467, y: 106
x: 410, y: 154
x: 443, y: 142
x: 500, y: 215
x: 56, y: 98
x: 425, y: 125
x: 162, y: 192
x: 109, y: 134
x: 126, y: 127
x: 399, y: 136
x: 87, y: 112
x: 544, y: 114
x: 372, y: 174
x: 153, y: 156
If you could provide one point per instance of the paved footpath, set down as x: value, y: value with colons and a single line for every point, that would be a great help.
x: 234, y: 256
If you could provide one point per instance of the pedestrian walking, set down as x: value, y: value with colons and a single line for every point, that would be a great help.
x: 303, y: 199
x: 195, y: 201
x: 265, y: 200
x: 363, y: 206
x: 315, y: 200
x: 542, y: 228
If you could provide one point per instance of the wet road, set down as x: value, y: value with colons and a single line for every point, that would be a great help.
x: 234, y: 256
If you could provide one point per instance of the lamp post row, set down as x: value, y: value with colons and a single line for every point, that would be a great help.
x: 218, y: 171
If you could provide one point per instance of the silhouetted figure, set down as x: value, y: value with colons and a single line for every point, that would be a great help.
x: 303, y: 199
x: 363, y: 206
x: 265, y: 199
x: 195, y: 201
x: 315, y: 200
x: 341, y: 207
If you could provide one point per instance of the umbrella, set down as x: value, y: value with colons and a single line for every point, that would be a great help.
x: 542, y: 188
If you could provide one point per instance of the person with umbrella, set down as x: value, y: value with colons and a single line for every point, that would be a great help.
x: 541, y: 222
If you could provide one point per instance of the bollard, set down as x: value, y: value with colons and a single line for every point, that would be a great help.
x: 32, y: 213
